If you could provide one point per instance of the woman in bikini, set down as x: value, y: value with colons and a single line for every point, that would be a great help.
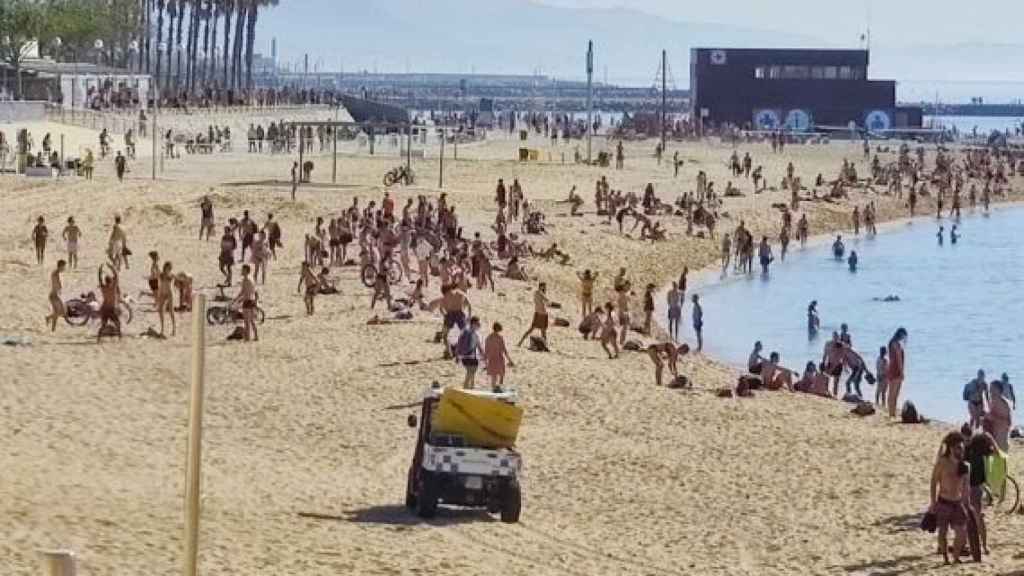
x: 164, y: 296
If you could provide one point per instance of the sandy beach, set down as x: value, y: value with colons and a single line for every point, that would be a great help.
x: 621, y: 477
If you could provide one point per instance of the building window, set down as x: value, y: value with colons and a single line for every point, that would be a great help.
x: 818, y: 73
x: 831, y: 72
x: 845, y: 73
x: 859, y: 73
x: 796, y: 72
x: 759, y: 73
x: 775, y: 72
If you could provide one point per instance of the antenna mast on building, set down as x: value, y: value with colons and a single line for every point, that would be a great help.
x: 590, y: 97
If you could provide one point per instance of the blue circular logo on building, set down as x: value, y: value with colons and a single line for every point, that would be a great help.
x: 877, y: 120
x: 798, y: 120
x: 767, y: 120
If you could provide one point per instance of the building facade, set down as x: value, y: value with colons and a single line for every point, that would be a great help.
x: 793, y: 89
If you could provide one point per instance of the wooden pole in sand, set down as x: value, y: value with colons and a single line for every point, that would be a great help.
x: 195, y: 435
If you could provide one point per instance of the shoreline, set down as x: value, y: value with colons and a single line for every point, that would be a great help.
x: 710, y: 275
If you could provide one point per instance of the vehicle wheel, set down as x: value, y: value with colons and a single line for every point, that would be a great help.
x: 512, y: 504
x: 389, y: 179
x: 410, y: 496
x: 426, y: 504
x: 77, y: 312
x: 215, y: 316
x: 369, y: 275
x: 394, y: 273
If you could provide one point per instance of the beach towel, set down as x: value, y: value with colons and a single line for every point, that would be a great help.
x: 995, y: 473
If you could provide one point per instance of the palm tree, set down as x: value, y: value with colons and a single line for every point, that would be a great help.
x: 160, y: 6
x: 236, y: 57
x: 207, y: 17
x: 227, y: 7
x: 181, y: 18
x: 216, y: 8
x: 254, y: 6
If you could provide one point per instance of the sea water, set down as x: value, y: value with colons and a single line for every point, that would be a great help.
x: 961, y: 304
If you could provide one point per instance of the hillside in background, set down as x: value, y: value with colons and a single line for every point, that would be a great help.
x: 497, y: 36
x: 521, y: 37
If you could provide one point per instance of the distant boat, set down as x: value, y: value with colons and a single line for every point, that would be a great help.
x: 363, y: 110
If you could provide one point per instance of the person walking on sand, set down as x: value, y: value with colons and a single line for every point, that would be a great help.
x: 881, y: 367
x: 246, y: 300
x: 164, y: 297
x: 540, y: 314
x: 56, y: 302
x: 468, y: 351
x: 587, y: 280
x: 295, y: 179
x: 949, y: 482
x: 117, y: 246
x: 308, y: 279
x: 609, y: 335
x: 39, y: 236
x: 976, y: 395
x: 495, y: 355
x: 648, y: 308
x: 897, y: 368
x: 205, y: 218
x: 675, y: 310
x: 72, y: 234
x: 979, y: 448
x: 698, y: 322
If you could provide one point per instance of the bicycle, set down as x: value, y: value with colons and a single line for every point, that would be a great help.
x: 220, y: 315
x: 369, y: 273
x: 80, y: 311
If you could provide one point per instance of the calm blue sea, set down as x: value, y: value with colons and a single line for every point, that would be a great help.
x: 961, y: 304
x: 968, y: 124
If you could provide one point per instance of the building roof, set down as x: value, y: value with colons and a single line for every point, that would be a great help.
x: 45, y: 66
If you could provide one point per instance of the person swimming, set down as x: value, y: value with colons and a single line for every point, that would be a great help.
x: 838, y: 248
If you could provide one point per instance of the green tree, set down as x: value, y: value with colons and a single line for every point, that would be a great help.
x: 22, y: 22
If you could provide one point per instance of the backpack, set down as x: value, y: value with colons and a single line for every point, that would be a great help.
x: 466, y: 346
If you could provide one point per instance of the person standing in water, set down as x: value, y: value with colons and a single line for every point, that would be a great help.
x: 941, y: 235
x: 698, y: 322
x: 852, y: 261
x: 813, y: 320
x: 953, y: 236
x: 897, y: 368
x: 764, y: 254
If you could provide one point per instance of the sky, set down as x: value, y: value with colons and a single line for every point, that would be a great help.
x: 893, y: 22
